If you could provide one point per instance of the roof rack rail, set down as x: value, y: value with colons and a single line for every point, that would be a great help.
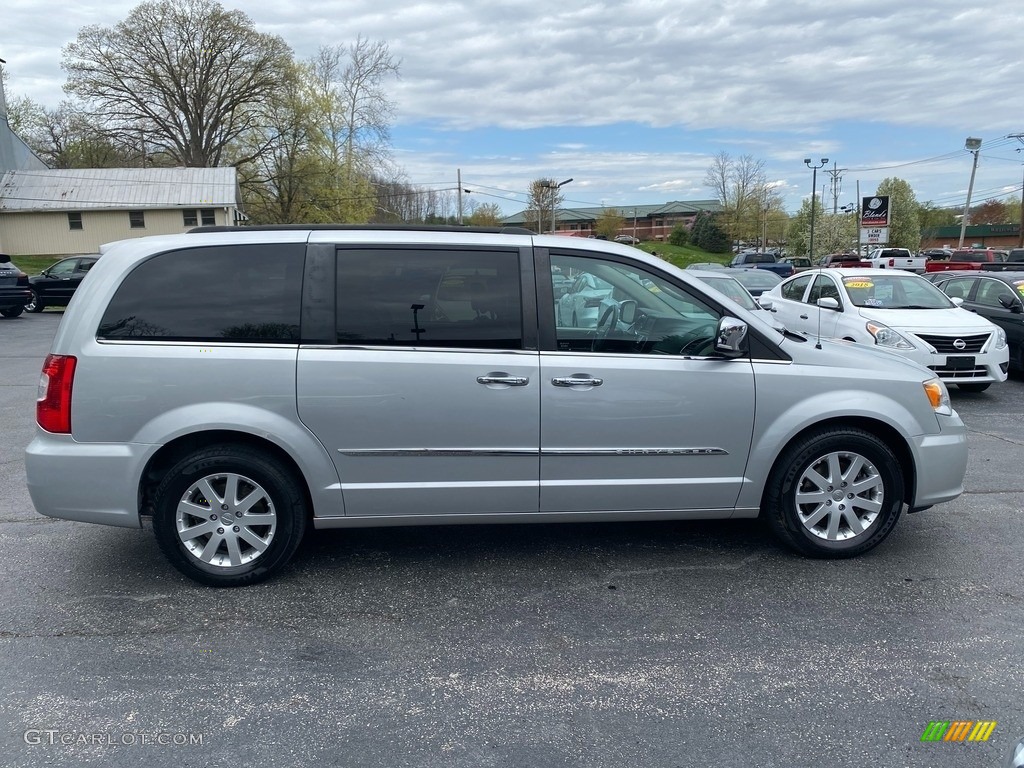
x: 377, y: 227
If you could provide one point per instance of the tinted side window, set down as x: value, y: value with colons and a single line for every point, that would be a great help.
x: 429, y: 298
x: 226, y: 293
x: 794, y: 289
x: 958, y: 287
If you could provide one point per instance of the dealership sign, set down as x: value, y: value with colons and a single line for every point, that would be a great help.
x: 874, y: 235
x: 874, y: 211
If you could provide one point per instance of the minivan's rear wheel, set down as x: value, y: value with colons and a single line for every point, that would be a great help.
x: 835, y: 493
x: 229, y: 515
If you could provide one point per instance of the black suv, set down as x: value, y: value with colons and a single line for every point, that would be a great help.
x: 14, y: 290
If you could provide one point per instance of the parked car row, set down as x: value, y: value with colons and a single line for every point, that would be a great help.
x: 53, y: 287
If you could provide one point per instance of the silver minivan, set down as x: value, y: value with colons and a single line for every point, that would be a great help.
x: 243, y: 385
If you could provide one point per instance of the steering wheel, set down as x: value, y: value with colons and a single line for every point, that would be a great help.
x: 696, y: 343
x: 605, y: 325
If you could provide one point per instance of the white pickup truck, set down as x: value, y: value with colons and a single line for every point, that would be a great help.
x: 897, y: 258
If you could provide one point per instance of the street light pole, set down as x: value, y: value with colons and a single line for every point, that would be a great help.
x: 814, y: 194
x: 554, y: 192
x: 973, y: 146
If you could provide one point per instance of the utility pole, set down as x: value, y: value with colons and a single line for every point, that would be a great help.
x: 458, y: 176
x: 837, y: 178
x: 1020, y: 234
x: 973, y: 146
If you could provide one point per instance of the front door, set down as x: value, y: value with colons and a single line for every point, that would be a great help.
x: 639, y: 413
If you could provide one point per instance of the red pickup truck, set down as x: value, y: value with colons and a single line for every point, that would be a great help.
x: 968, y: 258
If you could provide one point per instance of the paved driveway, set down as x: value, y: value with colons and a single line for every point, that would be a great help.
x: 653, y: 644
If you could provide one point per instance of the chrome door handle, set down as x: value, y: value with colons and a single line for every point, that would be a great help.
x: 577, y: 381
x: 503, y: 378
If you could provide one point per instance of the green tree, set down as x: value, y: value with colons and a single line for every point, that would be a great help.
x: 798, y: 235
x: 835, y: 233
x: 609, y: 223
x: 708, y: 235
x: 486, y: 215
x: 904, y: 225
x: 680, y: 235
x: 187, y: 75
x: 285, y: 178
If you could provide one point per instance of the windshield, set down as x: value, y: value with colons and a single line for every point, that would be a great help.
x: 732, y: 288
x: 758, y: 278
x: 891, y: 291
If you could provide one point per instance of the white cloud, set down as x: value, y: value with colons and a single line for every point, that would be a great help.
x: 780, y: 78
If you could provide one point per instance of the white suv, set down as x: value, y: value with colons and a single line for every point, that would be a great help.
x: 240, y: 386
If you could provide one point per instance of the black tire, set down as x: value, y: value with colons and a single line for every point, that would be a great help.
x: 974, y: 387
x: 876, y: 508
x: 280, y: 505
x: 11, y: 311
x: 36, y: 304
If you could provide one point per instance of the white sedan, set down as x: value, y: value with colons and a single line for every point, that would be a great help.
x: 898, y: 311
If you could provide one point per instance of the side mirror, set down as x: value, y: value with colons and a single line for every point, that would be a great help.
x: 828, y: 303
x: 765, y: 302
x: 957, y: 300
x: 1010, y: 303
x: 627, y: 311
x: 730, y: 337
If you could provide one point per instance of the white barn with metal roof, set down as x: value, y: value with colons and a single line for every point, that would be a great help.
x: 59, y: 212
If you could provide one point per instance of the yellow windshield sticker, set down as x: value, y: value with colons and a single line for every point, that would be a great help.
x: 858, y: 284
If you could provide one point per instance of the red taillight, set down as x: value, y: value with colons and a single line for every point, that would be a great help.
x: 892, y: 262
x: 53, y: 403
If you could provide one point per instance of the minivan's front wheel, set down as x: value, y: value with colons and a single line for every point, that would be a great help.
x: 835, y: 493
x: 228, y: 516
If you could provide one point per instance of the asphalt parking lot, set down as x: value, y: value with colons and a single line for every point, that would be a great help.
x: 651, y: 644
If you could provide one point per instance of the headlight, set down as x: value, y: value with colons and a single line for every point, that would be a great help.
x: 1000, y: 338
x: 938, y: 396
x: 886, y: 337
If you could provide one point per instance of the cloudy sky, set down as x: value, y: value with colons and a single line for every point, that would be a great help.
x: 632, y: 99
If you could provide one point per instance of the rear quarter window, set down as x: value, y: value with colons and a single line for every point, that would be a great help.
x: 241, y: 293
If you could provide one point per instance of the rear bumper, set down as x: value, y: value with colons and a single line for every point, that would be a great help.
x: 88, y: 482
x: 15, y: 297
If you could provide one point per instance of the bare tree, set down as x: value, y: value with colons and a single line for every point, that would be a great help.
x: 544, y: 198
x: 355, y: 115
x: 739, y: 183
x: 357, y: 110
x: 188, y: 74
x: 66, y: 138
